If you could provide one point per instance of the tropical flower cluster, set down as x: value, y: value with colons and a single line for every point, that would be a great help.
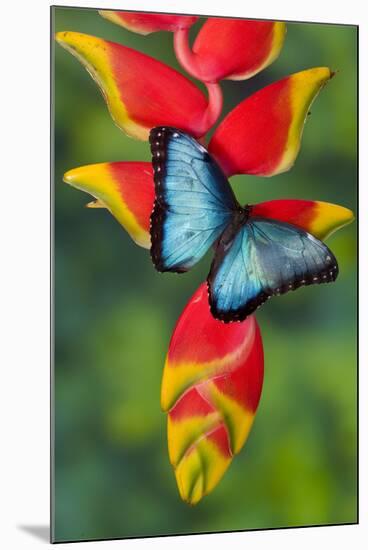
x: 213, y: 374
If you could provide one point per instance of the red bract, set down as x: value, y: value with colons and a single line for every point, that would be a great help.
x: 232, y: 49
x: 213, y: 374
x: 146, y: 23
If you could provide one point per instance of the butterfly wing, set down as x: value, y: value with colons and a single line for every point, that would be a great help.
x: 194, y: 201
x: 264, y: 258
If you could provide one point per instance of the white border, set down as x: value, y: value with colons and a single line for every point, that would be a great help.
x: 24, y: 270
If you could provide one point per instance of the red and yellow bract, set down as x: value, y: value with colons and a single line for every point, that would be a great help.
x: 124, y: 188
x: 268, y: 126
x: 140, y: 91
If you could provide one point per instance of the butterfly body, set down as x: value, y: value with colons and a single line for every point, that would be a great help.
x: 239, y: 218
x: 195, y: 208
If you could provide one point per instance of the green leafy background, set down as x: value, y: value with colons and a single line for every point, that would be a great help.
x: 114, y: 316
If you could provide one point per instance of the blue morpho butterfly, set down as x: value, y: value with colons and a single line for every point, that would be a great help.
x: 195, y: 207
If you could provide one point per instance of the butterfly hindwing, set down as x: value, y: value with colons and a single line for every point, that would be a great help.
x: 264, y: 258
x: 194, y: 201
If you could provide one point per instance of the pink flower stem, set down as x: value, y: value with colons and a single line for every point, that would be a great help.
x: 188, y: 60
x: 184, y: 53
x: 214, y: 108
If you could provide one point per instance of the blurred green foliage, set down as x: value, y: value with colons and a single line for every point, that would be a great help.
x: 114, y: 316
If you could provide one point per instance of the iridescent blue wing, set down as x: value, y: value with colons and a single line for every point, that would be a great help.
x: 264, y: 258
x: 194, y: 201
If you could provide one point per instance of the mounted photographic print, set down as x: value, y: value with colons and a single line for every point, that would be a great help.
x: 205, y: 273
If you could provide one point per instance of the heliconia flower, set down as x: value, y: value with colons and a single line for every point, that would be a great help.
x: 126, y: 189
x: 233, y: 49
x: 213, y: 374
x: 211, y: 387
x: 142, y: 92
x: 146, y: 23
x: 262, y: 134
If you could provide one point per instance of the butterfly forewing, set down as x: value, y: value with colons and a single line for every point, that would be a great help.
x: 194, y: 201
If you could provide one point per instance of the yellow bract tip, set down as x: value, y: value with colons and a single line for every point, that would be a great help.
x: 329, y: 218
